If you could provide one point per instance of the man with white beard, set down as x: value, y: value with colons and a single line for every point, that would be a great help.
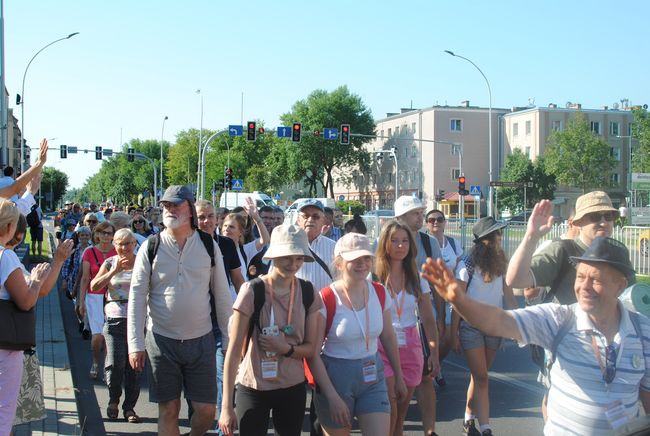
x: 171, y: 284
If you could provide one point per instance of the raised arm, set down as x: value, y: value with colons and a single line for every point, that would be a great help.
x: 491, y: 320
x: 539, y: 224
x: 252, y: 212
x: 34, y: 171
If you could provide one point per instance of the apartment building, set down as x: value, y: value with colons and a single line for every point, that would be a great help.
x: 528, y: 129
x: 422, y: 142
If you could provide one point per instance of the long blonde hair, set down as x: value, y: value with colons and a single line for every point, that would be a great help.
x: 8, y: 212
x: 382, y: 258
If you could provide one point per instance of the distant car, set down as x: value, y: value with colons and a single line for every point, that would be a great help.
x: 521, y: 217
x: 644, y: 240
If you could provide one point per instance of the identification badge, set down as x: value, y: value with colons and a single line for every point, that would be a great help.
x: 271, y: 331
x: 401, y: 335
x: 615, y: 413
x: 369, y: 372
x: 636, y: 361
x: 269, y: 368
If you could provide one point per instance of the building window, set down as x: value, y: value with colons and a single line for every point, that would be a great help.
x: 456, y: 125
x: 455, y: 173
x: 396, y: 130
x: 413, y: 128
x: 515, y: 129
x: 528, y: 152
x: 615, y: 179
x: 414, y: 151
x: 615, y: 152
x: 595, y: 127
x: 527, y: 128
x: 382, y: 133
x: 614, y: 128
x: 556, y: 125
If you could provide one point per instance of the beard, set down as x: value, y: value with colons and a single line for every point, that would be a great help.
x: 174, y: 223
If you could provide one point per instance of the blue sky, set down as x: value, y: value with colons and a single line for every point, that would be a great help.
x: 136, y: 61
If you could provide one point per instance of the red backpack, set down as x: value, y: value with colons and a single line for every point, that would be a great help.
x: 329, y: 300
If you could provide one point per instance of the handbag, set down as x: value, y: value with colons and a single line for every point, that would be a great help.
x: 17, y: 327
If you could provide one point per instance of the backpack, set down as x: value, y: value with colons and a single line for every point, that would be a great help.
x: 469, y: 266
x: 329, y: 301
x: 32, y: 217
x: 451, y: 242
x: 259, y: 297
x: 426, y: 242
x: 208, y: 243
x: 256, y: 267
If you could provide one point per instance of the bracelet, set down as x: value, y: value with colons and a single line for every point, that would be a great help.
x: 290, y: 352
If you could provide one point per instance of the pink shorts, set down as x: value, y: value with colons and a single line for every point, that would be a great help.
x: 410, y: 356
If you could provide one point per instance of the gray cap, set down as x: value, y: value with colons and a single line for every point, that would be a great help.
x: 177, y: 194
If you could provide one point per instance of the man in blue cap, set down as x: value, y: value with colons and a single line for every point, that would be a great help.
x: 601, y: 351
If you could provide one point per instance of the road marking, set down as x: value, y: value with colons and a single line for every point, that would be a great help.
x: 534, y: 389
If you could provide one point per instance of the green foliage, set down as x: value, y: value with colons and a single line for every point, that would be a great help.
x: 578, y: 157
x: 354, y: 206
x: 518, y: 168
x: 641, y: 133
x: 314, y: 158
x: 54, y: 181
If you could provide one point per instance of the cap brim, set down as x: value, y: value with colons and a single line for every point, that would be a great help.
x: 494, y: 228
x: 596, y: 209
x: 355, y: 254
x: 628, y: 272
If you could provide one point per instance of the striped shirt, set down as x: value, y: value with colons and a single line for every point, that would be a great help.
x: 578, y: 396
x: 312, y: 271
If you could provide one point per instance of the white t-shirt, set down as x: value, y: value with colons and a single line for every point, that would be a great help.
x: 250, y: 249
x: 346, y: 338
x: 409, y: 307
x: 488, y: 293
x: 9, y: 262
x: 449, y: 255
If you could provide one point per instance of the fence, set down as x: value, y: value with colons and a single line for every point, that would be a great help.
x: 635, y: 238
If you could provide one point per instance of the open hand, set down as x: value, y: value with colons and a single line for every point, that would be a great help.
x: 442, y: 280
x: 42, y: 152
x: 541, y: 219
x: 64, y: 250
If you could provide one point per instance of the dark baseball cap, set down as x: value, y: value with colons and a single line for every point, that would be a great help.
x: 609, y: 251
x: 177, y: 194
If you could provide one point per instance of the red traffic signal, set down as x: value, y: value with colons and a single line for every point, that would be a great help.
x: 296, y: 132
x: 345, y: 134
x: 260, y: 130
x: 251, y: 131
x: 461, y: 186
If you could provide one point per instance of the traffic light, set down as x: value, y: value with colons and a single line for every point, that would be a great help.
x: 130, y: 154
x: 345, y: 134
x: 229, y: 178
x: 440, y: 195
x: 98, y: 153
x: 296, y: 132
x: 461, y: 185
x: 252, y: 131
x: 64, y: 152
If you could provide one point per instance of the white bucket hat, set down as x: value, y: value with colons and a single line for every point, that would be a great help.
x: 288, y: 240
x: 407, y: 203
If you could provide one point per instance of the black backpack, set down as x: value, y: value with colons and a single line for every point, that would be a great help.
x: 32, y: 217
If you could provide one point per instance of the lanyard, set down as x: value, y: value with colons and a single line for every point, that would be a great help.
x: 594, y: 346
x: 291, y: 298
x: 366, y: 332
x: 399, y: 306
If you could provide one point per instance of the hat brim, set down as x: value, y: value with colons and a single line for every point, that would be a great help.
x: 175, y: 200
x: 596, y: 208
x: 628, y: 272
x: 355, y: 254
x: 493, y: 228
x: 284, y: 250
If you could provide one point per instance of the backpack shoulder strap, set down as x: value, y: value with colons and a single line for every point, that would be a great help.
x: 321, y: 263
x: 243, y: 255
x: 426, y: 242
x: 469, y: 265
x: 381, y: 294
x: 329, y: 300
x: 258, y: 302
x: 307, y: 294
x: 452, y: 243
x: 152, y: 247
x: 208, y: 242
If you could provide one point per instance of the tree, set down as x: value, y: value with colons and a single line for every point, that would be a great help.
x: 314, y: 158
x: 518, y: 168
x: 53, y: 185
x: 577, y: 157
x: 641, y: 133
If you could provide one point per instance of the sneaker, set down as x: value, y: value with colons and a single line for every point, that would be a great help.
x: 469, y: 428
x: 487, y: 432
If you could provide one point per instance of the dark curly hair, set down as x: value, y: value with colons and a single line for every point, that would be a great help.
x: 489, y: 257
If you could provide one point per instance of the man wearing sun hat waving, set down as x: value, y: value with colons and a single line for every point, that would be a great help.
x: 601, y: 350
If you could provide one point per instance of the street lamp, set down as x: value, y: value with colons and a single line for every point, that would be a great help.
x: 21, y: 100
x: 198, y: 169
x: 162, y: 134
x: 491, y: 188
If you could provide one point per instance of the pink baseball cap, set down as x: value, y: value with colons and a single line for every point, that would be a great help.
x: 353, y: 246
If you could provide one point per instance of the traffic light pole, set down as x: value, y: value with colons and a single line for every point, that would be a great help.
x: 458, y: 149
x: 155, y: 174
x: 201, y: 189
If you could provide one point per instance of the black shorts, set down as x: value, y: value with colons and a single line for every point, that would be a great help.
x: 36, y: 233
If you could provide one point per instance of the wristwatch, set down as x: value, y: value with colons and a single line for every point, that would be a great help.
x: 290, y: 352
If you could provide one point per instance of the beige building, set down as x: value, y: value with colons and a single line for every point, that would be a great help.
x: 528, y: 129
x: 422, y: 141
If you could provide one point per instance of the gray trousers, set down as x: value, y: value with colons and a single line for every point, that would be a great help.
x: 117, y: 367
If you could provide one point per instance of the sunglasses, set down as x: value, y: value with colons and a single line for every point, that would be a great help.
x: 138, y: 221
x: 91, y: 221
x: 595, y: 217
x: 439, y: 219
x: 610, y: 364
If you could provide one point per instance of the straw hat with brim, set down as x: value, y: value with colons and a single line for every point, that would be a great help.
x: 353, y: 246
x: 609, y: 251
x: 596, y: 201
x: 288, y: 240
x: 485, y: 226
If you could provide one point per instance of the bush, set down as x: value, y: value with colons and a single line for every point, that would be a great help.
x: 354, y: 205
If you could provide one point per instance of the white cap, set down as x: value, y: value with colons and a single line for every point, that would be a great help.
x: 407, y: 203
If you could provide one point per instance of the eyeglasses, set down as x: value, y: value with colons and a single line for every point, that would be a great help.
x: 91, y: 221
x: 125, y: 244
x: 314, y: 216
x: 138, y: 221
x: 106, y: 233
x: 595, y: 217
x: 440, y: 219
x: 610, y: 364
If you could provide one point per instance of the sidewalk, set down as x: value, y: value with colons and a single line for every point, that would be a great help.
x: 58, y: 389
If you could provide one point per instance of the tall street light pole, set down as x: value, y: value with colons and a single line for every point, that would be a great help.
x: 21, y: 100
x: 162, y: 135
x: 198, y: 169
x: 491, y: 188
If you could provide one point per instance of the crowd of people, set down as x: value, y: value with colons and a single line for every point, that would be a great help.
x: 245, y: 315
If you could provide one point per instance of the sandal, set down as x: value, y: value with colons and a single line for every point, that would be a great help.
x: 131, y: 416
x: 112, y: 411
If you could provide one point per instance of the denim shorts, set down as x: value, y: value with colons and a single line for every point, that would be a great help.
x: 471, y: 337
x: 361, y: 398
x: 175, y: 365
